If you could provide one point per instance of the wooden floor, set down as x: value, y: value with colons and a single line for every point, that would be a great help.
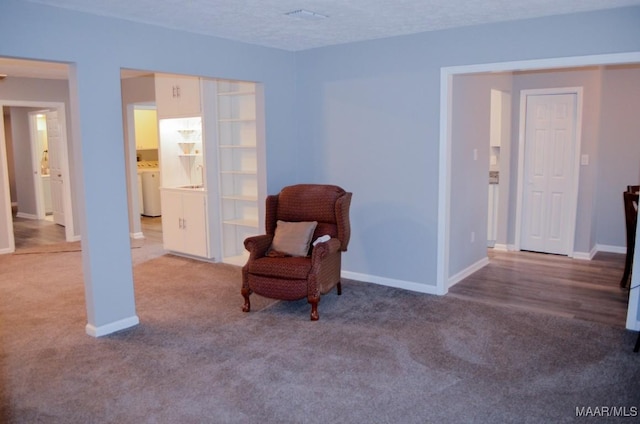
x: 581, y: 289
x: 152, y: 229
x: 558, y: 285
x: 32, y: 232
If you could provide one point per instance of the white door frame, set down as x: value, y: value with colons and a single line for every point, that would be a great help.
x: 444, y: 160
x: 64, y: 158
x: 135, y: 224
x: 35, y: 163
x: 5, y: 202
x: 573, y: 195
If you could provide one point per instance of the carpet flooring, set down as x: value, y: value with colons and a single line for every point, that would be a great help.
x: 377, y: 355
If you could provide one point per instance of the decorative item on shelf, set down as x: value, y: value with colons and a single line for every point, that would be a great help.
x: 188, y: 134
x: 187, y: 147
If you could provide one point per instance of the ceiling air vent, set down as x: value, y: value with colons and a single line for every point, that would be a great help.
x: 306, y: 14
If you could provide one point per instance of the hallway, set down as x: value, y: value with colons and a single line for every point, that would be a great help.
x: 554, y: 284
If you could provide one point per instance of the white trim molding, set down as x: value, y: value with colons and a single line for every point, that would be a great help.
x: 391, y: 282
x: 112, y: 327
x: 455, y: 279
x: 611, y: 249
x: 25, y: 215
x: 501, y: 247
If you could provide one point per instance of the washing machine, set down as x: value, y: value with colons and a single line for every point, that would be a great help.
x: 150, y: 182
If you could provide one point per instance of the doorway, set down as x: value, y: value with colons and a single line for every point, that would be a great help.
x: 549, y: 159
x: 445, y: 279
x: 46, y: 147
x: 30, y: 169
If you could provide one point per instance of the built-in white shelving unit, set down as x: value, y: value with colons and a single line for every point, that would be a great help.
x: 238, y: 167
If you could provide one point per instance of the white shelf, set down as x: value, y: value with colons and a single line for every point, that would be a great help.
x: 239, y: 172
x: 236, y: 120
x: 238, y: 146
x: 236, y: 93
x: 242, y: 222
x: 240, y: 197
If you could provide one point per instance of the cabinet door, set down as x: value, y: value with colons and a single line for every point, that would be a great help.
x: 172, y: 233
x: 177, y: 96
x: 195, y: 224
x: 188, y: 96
x: 166, y: 103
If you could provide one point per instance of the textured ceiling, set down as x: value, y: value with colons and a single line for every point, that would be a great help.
x: 265, y: 23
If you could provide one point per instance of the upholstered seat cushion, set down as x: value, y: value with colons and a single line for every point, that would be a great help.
x: 290, y: 267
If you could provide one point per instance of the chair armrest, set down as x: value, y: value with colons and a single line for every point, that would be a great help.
x: 258, y: 245
x: 324, y: 249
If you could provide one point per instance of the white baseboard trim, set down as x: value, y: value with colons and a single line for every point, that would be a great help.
x: 26, y: 215
x: 587, y: 256
x: 390, y: 282
x: 455, y: 279
x: 501, y: 247
x: 6, y: 250
x: 610, y: 249
x: 136, y: 236
x: 103, y: 330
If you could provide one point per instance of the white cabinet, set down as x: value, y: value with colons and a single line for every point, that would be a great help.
x: 238, y: 167
x: 177, y: 95
x: 184, y: 222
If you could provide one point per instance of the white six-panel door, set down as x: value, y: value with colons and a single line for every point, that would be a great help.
x: 549, y: 158
x: 54, y: 140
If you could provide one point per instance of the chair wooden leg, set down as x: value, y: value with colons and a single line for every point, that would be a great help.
x: 627, y: 270
x: 339, y: 288
x: 247, y: 304
x: 314, y: 310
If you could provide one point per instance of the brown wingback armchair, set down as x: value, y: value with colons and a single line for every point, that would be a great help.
x: 314, y: 272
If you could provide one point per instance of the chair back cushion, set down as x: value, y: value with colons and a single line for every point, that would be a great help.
x: 328, y: 205
x: 309, y: 202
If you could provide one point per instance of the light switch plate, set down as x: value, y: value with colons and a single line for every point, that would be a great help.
x: 584, y: 159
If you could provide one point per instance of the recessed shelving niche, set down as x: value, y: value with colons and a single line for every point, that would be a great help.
x: 238, y: 177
